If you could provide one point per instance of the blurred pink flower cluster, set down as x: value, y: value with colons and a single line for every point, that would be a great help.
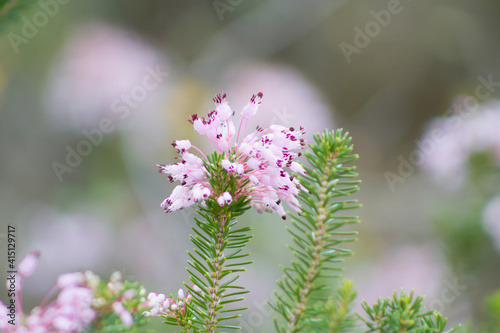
x: 469, y: 131
x: 96, y: 74
x: 256, y: 160
x: 70, y: 311
x: 75, y: 307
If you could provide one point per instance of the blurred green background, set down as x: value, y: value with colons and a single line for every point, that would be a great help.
x: 124, y: 76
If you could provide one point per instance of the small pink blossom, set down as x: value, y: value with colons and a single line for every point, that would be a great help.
x: 129, y: 294
x: 160, y: 305
x: 70, y: 279
x: 258, y: 162
x: 180, y: 294
x: 28, y: 265
x: 251, y: 108
x: 124, y: 314
x: 4, y: 317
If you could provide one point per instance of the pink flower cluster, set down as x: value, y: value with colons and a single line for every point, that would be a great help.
x: 115, y: 287
x: 69, y: 312
x: 166, y: 306
x: 257, y: 161
x: 75, y: 307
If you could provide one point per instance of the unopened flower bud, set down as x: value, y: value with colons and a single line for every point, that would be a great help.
x: 180, y: 293
x: 28, y: 265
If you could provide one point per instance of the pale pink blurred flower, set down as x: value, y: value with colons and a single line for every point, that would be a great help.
x: 4, y: 317
x: 130, y: 293
x: 407, y: 267
x: 462, y: 133
x: 491, y: 219
x: 70, y: 312
x: 70, y: 279
x: 96, y: 69
x: 74, y: 309
x: 257, y: 160
x: 124, y: 314
x: 28, y: 265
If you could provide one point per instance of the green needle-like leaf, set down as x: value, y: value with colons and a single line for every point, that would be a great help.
x: 315, y: 231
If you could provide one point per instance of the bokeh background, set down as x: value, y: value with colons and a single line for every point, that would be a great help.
x: 124, y: 76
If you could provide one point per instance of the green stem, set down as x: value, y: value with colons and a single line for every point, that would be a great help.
x: 319, y: 235
x: 185, y: 326
x: 214, y: 292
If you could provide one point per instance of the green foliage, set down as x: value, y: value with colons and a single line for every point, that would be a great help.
x: 317, y: 239
x: 223, y: 181
x: 107, y: 320
x: 492, y: 307
x: 303, y: 300
x: 468, y: 245
x: 217, y: 258
x: 459, y: 218
x: 334, y: 315
x: 11, y: 10
x: 403, y: 314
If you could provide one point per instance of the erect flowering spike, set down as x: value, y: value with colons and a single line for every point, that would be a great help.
x: 257, y: 163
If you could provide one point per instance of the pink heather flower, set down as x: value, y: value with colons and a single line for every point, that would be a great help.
x: 72, y: 310
x: 257, y: 161
x: 124, y: 314
x: 251, y: 108
x: 4, y: 317
x: 28, y: 265
x: 129, y: 294
x: 70, y: 279
x: 99, y: 66
x: 155, y: 302
x: 165, y: 306
x: 180, y: 294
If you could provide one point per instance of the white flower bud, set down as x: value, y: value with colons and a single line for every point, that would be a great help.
x: 180, y: 293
